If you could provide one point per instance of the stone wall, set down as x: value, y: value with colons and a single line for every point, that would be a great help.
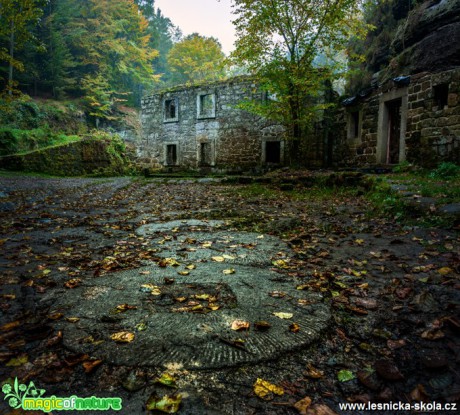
x: 428, y: 125
x: 203, y: 127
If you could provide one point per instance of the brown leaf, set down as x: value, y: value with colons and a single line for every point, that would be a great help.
x: 396, y: 344
x: 303, y: 405
x: 419, y: 394
x: 367, y: 303
x: 55, y: 316
x: 313, y: 373
x: 388, y: 370
x: 262, y: 325
x: 294, y: 328
x: 10, y: 326
x: 433, y: 334
x: 319, y: 409
x: 54, y: 340
x: 90, y: 365
x: 72, y: 283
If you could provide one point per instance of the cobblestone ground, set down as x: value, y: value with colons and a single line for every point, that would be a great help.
x: 118, y: 287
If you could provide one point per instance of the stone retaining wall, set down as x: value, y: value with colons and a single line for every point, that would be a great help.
x: 73, y: 159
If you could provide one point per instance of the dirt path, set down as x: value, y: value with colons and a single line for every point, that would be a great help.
x: 108, y: 284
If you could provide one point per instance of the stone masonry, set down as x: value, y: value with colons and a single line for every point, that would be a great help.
x: 416, y: 119
x: 203, y: 127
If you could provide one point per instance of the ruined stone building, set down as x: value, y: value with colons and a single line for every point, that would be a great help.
x: 202, y: 127
x: 410, y: 112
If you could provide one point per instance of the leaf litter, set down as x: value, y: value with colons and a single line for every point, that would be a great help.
x: 373, y: 283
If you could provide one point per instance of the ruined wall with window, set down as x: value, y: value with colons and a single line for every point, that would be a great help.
x: 414, y: 118
x: 203, y: 127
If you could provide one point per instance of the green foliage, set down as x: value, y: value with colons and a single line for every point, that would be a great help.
x: 446, y: 170
x: 120, y: 163
x: 16, y: 141
x: 16, y: 19
x: 387, y: 201
x: 196, y: 58
x: 294, y: 49
x: 56, y: 116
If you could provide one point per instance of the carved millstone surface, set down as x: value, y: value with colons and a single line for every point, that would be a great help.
x: 171, y: 332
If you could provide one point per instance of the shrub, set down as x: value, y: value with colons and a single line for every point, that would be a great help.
x: 446, y: 170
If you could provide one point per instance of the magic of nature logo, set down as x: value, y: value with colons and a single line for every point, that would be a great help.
x: 30, y: 398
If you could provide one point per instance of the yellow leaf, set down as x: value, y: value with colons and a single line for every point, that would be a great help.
x: 228, y: 271
x: 123, y: 337
x: 124, y: 307
x: 228, y: 256
x: 167, y: 380
x: 280, y: 263
x: 55, y: 316
x: 445, y: 270
x: 265, y: 390
x: 183, y: 272
x: 359, y: 241
x: 202, y: 296
x: 72, y: 319
x: 284, y: 316
x: 18, y: 361
x: 191, y: 266
x: 218, y: 258
x: 167, y: 404
x: 172, y: 262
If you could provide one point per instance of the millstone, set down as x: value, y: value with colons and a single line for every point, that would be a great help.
x: 187, y: 319
x: 153, y: 228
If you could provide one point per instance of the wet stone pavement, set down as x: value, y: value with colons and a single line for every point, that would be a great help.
x: 108, y: 284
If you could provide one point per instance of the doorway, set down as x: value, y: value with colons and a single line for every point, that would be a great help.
x: 273, y: 152
x: 394, y: 131
x: 392, y: 124
x: 205, y: 154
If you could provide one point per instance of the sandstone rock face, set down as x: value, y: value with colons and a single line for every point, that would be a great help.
x: 428, y: 40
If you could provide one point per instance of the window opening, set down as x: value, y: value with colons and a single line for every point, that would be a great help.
x: 206, y: 105
x: 441, y: 94
x: 170, y: 109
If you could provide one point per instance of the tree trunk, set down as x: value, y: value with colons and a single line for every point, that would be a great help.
x: 10, y: 69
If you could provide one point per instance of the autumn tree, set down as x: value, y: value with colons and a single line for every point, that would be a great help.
x: 110, y: 47
x: 196, y: 58
x: 293, y: 46
x: 16, y: 19
x: 163, y: 34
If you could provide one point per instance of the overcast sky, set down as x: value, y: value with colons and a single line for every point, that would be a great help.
x: 207, y: 17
